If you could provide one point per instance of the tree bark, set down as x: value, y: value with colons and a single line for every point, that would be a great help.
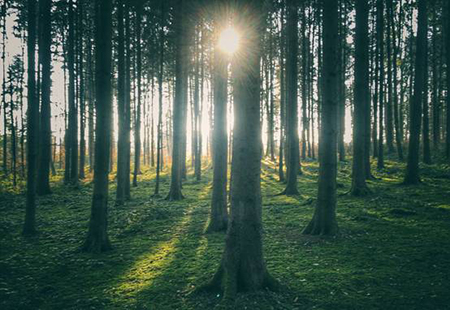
x: 43, y: 173
x: 293, y: 154
x: 97, y: 238
x: 412, y: 175
x: 380, y: 43
x: 361, y: 101
x: 29, y: 227
x: 243, y: 267
x: 324, y: 219
x: 137, y: 128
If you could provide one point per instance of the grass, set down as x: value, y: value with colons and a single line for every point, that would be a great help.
x: 393, y: 250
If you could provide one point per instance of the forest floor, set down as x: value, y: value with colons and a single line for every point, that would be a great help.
x: 393, y: 250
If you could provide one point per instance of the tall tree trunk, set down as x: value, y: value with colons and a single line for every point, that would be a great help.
x: 243, y: 267
x: 282, y: 97
x: 5, y: 121
x: 362, y: 98
x: 380, y: 43
x: 179, y: 102
x: 219, y: 214
x: 390, y: 82
x: 45, y: 133
x: 293, y: 154
x: 97, y: 238
x: 160, y: 105
x: 324, y: 219
x: 447, y: 46
x: 137, y: 128
x: 121, y: 106
x: 72, y: 137
x: 29, y: 227
x: 127, y: 113
x: 425, y: 114
x: 412, y: 175
x: 82, y: 99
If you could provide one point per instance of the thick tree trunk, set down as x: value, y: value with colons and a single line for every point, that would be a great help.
x: 29, y: 227
x: 412, y: 175
x: 243, y: 267
x: 447, y: 33
x: 293, y: 154
x: 43, y: 175
x: 362, y: 98
x: 97, y: 238
x: 324, y: 219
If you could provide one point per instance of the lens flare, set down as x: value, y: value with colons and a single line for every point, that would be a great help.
x: 229, y: 41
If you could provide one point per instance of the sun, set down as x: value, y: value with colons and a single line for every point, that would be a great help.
x: 229, y: 41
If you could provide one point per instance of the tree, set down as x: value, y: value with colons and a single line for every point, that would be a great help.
x: 447, y: 32
x: 324, y: 219
x: 412, y: 169
x: 243, y: 266
x: 45, y: 134
x: 97, y: 238
x: 179, y: 100
x: 29, y: 227
x: 293, y: 154
x: 137, y: 127
x: 361, y: 98
x: 380, y: 43
x: 219, y: 214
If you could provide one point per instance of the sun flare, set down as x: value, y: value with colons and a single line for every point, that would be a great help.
x: 229, y: 41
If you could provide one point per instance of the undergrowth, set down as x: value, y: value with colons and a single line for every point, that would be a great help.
x: 393, y: 250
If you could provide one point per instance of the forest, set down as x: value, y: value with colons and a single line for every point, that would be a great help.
x: 225, y: 154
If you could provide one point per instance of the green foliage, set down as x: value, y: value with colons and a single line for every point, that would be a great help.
x: 392, y: 251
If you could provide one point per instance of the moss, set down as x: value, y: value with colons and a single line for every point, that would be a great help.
x: 392, y: 252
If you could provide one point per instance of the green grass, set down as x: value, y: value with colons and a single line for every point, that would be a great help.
x: 393, y: 251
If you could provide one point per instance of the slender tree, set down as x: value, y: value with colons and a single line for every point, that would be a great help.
x: 412, y: 175
x: 361, y: 98
x: 380, y: 43
x: 29, y: 227
x: 324, y: 219
x: 45, y: 134
x: 97, y: 238
x: 137, y: 126
x: 219, y: 213
x: 293, y: 154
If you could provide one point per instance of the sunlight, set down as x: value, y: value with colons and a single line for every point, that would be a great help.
x: 229, y: 41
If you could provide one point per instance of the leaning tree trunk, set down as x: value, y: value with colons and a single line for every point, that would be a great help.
x: 29, y: 227
x: 324, y: 219
x: 219, y: 214
x: 243, y: 267
x: 97, y: 239
x: 293, y: 154
x: 43, y: 174
x: 412, y: 169
x: 362, y: 95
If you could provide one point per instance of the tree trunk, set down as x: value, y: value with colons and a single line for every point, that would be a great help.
x: 137, y: 128
x: 390, y: 82
x: 43, y: 173
x: 293, y: 154
x: 324, y: 219
x: 121, y: 106
x: 412, y: 169
x: 362, y: 97
x: 72, y: 137
x: 243, y: 267
x: 82, y: 98
x: 29, y: 227
x: 219, y: 213
x: 447, y: 46
x: 425, y: 113
x: 97, y: 238
x: 380, y: 43
x: 179, y: 101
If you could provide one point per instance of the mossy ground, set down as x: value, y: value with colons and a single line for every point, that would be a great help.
x: 393, y: 250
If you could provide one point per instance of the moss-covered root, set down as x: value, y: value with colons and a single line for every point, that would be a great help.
x: 231, y: 280
x: 360, y: 191
x: 323, y: 223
